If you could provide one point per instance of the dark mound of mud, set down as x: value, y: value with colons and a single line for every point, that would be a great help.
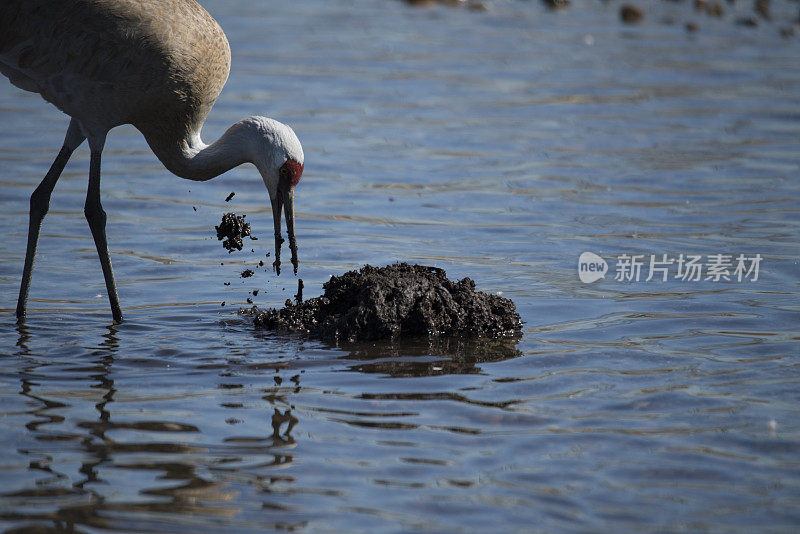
x: 232, y: 229
x: 399, y: 300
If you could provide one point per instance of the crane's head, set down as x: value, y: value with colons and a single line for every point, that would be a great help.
x: 279, y: 159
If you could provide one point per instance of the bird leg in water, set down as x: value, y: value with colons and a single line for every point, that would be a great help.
x: 40, y: 203
x: 96, y: 217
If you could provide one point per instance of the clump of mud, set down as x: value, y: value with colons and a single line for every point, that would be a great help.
x: 399, y: 300
x: 232, y: 229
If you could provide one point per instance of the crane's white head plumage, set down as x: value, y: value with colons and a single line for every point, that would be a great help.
x: 274, y: 144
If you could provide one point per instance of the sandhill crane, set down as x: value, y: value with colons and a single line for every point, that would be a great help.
x: 156, y: 64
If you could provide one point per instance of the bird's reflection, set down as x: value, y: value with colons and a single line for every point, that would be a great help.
x: 278, y: 419
x: 103, y: 361
x: 50, y: 425
x: 23, y: 338
x: 62, y: 426
x: 110, y: 339
x: 188, y: 472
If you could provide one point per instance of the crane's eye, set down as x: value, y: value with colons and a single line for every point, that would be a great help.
x: 285, y: 173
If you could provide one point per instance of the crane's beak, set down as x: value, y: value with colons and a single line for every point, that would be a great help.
x: 285, y: 200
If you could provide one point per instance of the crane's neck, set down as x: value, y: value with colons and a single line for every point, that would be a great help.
x: 187, y: 156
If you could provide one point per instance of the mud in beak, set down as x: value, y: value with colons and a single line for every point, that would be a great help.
x: 284, y: 200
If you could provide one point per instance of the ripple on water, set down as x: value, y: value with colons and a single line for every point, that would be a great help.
x: 497, y: 145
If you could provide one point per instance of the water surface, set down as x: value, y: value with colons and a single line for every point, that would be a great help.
x: 498, y: 145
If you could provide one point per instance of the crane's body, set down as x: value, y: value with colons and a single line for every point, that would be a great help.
x: 156, y: 64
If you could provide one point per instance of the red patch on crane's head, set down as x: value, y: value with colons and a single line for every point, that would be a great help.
x: 290, y: 173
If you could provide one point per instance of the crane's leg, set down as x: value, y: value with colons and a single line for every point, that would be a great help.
x: 96, y: 217
x: 40, y: 204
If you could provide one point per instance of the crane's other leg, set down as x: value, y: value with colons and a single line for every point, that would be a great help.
x: 96, y: 217
x: 40, y: 204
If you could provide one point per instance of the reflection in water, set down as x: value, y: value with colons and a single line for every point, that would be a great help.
x: 103, y: 360
x: 278, y: 419
x: 101, y: 452
x: 23, y: 338
x: 192, y: 476
x: 441, y: 138
x: 430, y: 357
x: 46, y: 428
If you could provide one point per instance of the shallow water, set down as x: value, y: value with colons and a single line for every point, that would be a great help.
x: 497, y: 145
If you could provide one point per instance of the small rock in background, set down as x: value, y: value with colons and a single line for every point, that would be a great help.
x: 556, y: 4
x: 762, y: 8
x: 630, y: 14
x: 715, y: 9
x: 747, y: 22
